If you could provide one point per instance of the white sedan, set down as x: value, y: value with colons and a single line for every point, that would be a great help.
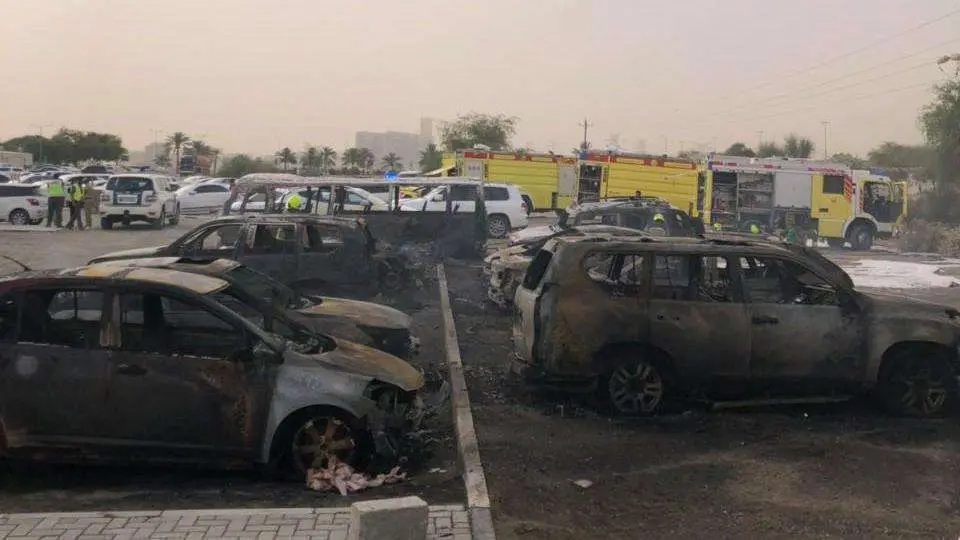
x: 207, y: 197
x: 357, y: 200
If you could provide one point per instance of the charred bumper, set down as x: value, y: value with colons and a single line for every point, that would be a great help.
x: 397, y: 425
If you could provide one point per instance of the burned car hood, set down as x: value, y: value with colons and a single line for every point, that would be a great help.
x: 359, y: 313
x: 130, y: 254
x: 512, y: 257
x: 358, y: 359
x: 533, y: 234
x: 890, y: 304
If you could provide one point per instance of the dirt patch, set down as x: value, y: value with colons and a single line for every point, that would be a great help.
x: 844, y: 470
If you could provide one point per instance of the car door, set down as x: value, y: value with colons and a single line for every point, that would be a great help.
x: 216, y: 241
x: 322, y: 254
x: 272, y: 248
x: 53, y: 369
x: 697, y: 316
x: 799, y: 329
x: 465, y: 199
x: 204, y: 391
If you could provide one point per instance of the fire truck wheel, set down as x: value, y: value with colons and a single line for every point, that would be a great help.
x: 861, y: 238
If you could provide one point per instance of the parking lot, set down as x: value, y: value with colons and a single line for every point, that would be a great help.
x: 28, y: 487
x: 843, y: 470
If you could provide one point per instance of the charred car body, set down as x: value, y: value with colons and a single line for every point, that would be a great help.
x: 639, y: 321
x: 366, y: 323
x: 115, y: 362
x: 305, y: 252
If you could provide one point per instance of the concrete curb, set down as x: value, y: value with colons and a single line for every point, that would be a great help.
x: 468, y: 448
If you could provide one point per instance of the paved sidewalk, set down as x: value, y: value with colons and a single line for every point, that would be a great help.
x: 449, y: 522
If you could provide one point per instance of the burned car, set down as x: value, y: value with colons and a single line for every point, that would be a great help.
x: 642, y: 321
x: 507, y: 266
x: 366, y: 323
x: 315, y: 253
x: 117, y: 363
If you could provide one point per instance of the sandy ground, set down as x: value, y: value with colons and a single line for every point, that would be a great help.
x: 28, y: 487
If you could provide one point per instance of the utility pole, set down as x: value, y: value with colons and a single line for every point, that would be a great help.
x: 585, y: 124
x: 825, y: 124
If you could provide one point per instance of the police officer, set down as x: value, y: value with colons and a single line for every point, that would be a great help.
x: 75, y: 194
x: 55, y: 199
x: 294, y: 202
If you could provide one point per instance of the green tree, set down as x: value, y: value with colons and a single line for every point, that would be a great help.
x: 163, y: 158
x: 310, y: 160
x: 430, y: 158
x: 849, y: 160
x: 177, y: 141
x: 351, y: 157
x: 392, y: 161
x: 797, y: 147
x: 201, y: 148
x: 241, y: 164
x: 739, y: 149
x: 940, y: 122
x: 367, y: 159
x: 328, y: 159
x: 769, y: 149
x: 894, y: 155
x: 492, y: 130
x: 285, y: 156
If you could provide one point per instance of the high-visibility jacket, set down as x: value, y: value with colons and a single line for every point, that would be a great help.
x: 754, y: 228
x: 76, y: 192
x: 55, y: 188
x: 294, y: 202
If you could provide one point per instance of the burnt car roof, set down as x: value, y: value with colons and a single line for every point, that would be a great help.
x: 314, y: 218
x: 200, y: 284
x: 624, y: 203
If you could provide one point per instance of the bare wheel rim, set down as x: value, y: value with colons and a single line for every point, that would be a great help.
x: 636, y: 388
x: 922, y: 390
x: 318, y: 440
x: 497, y: 226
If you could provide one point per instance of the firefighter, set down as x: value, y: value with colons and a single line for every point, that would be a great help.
x: 75, y: 195
x: 754, y: 228
x: 55, y: 200
x: 91, y: 201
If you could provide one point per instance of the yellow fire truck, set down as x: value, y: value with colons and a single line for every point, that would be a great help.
x: 553, y: 181
x: 817, y: 198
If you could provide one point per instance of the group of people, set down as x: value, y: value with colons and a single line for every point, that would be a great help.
x: 79, y: 197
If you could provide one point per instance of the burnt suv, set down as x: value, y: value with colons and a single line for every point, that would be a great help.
x: 643, y: 321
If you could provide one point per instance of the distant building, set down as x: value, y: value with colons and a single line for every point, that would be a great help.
x: 405, y: 145
x: 16, y: 159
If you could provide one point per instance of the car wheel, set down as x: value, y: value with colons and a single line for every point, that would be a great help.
x: 498, y: 226
x: 635, y: 386
x: 316, y: 436
x: 918, y: 384
x: 106, y: 223
x: 175, y: 218
x: 162, y: 220
x: 861, y: 238
x: 19, y: 217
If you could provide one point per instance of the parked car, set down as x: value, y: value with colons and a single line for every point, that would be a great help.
x: 366, y: 323
x: 507, y: 266
x: 127, y: 198
x: 307, y: 252
x: 22, y: 204
x: 648, y: 320
x: 506, y: 209
x: 83, y: 348
x: 203, y: 197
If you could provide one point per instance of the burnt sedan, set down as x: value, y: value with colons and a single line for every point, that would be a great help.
x: 150, y: 364
x: 367, y: 323
x: 316, y: 253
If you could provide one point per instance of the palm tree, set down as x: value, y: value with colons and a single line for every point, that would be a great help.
x: 310, y: 159
x: 286, y: 156
x: 328, y: 159
x: 392, y: 161
x: 351, y: 157
x: 176, y: 142
x: 367, y: 159
x: 201, y: 148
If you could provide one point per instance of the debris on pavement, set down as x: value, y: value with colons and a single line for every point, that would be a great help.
x: 583, y: 483
x: 340, y: 476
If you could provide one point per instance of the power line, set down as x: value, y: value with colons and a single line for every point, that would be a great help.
x: 858, y: 50
x: 851, y: 74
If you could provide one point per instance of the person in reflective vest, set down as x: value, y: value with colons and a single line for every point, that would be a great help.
x: 717, y: 226
x: 754, y: 228
x: 294, y: 201
x: 55, y: 200
x: 75, y: 195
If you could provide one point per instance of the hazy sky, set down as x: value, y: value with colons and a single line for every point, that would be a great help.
x: 256, y: 75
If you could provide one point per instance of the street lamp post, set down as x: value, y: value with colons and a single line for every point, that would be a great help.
x: 825, y: 124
